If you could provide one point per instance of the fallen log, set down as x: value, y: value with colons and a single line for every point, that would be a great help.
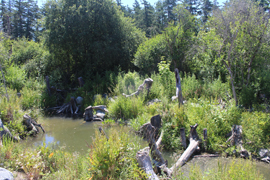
x: 178, y: 88
x: 89, y: 115
x: 147, y: 82
x: 157, y: 156
x: 145, y: 163
x: 194, y: 143
x: 32, y: 124
x: 236, y: 139
x: 72, y: 106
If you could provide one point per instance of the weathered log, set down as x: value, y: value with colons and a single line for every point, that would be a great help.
x: 194, y: 143
x: 183, y: 137
x: 147, y: 82
x: 31, y: 124
x: 178, y: 88
x: 89, y: 115
x: 159, y: 139
x: 144, y: 162
x: 101, y: 107
x: 155, y: 153
x: 63, y: 108
x: 236, y: 139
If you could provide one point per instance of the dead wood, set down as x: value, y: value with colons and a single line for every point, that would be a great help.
x: 147, y: 83
x: 145, y: 163
x: 178, y: 88
x: 89, y: 113
x: 236, y: 139
x: 194, y: 143
x: 32, y: 124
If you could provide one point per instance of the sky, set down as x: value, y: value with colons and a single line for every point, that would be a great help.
x: 130, y: 2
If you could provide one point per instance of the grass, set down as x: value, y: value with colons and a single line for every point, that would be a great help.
x: 236, y: 169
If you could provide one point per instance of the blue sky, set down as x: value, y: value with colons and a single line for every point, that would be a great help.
x: 130, y: 2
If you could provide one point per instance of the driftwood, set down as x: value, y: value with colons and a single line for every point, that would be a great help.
x: 145, y: 163
x: 148, y: 129
x: 32, y: 124
x: 194, y: 143
x: 147, y: 82
x: 89, y: 115
x: 71, y: 107
x: 4, y: 131
x: 178, y: 88
x: 144, y: 159
x: 236, y: 139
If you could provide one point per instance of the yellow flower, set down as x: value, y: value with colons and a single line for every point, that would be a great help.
x: 51, y: 155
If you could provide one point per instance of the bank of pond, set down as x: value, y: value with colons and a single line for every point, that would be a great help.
x: 75, y: 149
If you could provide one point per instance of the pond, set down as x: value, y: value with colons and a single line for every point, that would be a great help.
x: 76, y: 136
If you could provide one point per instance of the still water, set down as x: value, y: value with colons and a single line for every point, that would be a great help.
x: 76, y: 136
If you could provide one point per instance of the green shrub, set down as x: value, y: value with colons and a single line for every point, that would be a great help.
x: 114, y: 158
x: 127, y: 83
x: 191, y: 87
x: 15, y: 77
x: 126, y: 108
x: 30, y: 98
x: 256, y: 130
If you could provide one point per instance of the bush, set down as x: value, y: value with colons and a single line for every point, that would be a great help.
x: 15, y: 77
x: 126, y: 108
x: 114, y: 158
x: 127, y: 83
x: 30, y: 98
x: 191, y: 87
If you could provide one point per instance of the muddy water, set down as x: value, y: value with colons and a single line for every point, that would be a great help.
x: 73, y: 135
x: 76, y: 136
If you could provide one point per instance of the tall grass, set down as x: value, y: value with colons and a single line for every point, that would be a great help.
x: 126, y: 108
x: 114, y: 158
x: 237, y: 169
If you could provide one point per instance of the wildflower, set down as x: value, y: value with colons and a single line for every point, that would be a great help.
x: 51, y: 155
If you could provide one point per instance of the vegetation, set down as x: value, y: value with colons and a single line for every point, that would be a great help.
x: 221, y: 51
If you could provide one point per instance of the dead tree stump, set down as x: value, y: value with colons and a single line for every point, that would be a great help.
x: 236, y: 139
x: 147, y: 82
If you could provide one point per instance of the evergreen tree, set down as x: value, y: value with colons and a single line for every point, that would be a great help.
x: 205, y: 10
x: 147, y: 17
x: 19, y: 19
x: 191, y: 5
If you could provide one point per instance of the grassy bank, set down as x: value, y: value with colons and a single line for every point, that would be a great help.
x: 207, y: 103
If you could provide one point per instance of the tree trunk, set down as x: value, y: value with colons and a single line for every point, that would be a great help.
x: 178, y: 88
x: 147, y: 82
x: 32, y: 124
x: 144, y: 162
x: 236, y: 139
x: 194, y: 143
